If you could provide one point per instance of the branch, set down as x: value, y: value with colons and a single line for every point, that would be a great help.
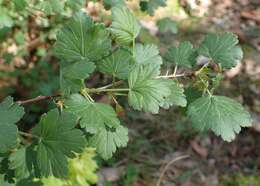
x: 37, y: 99
x: 187, y: 74
x: 168, y: 165
x: 112, y: 84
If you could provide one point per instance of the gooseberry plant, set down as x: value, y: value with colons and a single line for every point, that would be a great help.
x: 80, y: 121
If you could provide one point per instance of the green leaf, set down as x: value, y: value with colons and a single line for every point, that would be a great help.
x: 82, y: 40
x: 78, y: 70
x: 222, y: 49
x: 167, y: 25
x: 5, y: 19
x: 147, y: 92
x: 10, y: 113
x: 78, y: 43
x: 3, y: 182
x: 19, y: 37
x: 151, y: 5
x: 18, y: 162
x: 177, y: 96
x: 147, y: 54
x: 53, y: 181
x: 75, y: 4
x: 93, y: 116
x: 111, y: 3
x: 117, y: 65
x: 183, y: 55
x: 24, y: 164
x: 125, y: 26
x: 222, y: 115
x: 83, y: 168
x: 107, y: 141
x: 5, y: 171
x: 69, y: 85
x: 52, y: 6
x: 20, y: 5
x: 29, y: 182
x: 58, y: 139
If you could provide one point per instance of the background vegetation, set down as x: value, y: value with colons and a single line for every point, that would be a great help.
x: 28, y: 68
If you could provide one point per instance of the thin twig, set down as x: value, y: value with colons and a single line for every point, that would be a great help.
x: 167, y: 166
x: 174, y: 75
x: 111, y: 85
x: 37, y: 99
x: 94, y: 90
x: 175, y: 70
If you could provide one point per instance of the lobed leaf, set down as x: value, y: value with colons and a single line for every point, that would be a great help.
x: 147, y: 92
x: 125, y: 26
x: 167, y: 25
x: 117, y: 65
x: 222, y: 49
x: 107, y: 141
x: 52, y: 6
x: 82, y: 40
x: 93, y: 116
x: 78, y: 70
x: 222, y: 115
x: 147, y: 54
x: 70, y: 85
x: 177, y: 96
x: 10, y: 113
x: 19, y: 162
x: 183, y: 55
x: 58, y: 140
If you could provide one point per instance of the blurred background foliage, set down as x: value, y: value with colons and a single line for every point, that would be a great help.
x: 28, y: 68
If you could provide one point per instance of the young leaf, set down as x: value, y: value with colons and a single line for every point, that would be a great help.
x: 125, y: 26
x: 82, y: 169
x: 146, y: 91
x: 93, y: 116
x: 10, y: 113
x: 177, y: 96
x: 183, y: 55
x: 58, y: 140
x: 117, y: 65
x: 107, y: 141
x: 222, y: 115
x: 147, y: 54
x: 222, y: 49
x: 82, y: 40
x: 53, y: 181
x: 167, y: 25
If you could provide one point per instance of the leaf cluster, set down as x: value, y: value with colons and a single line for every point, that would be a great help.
x: 84, y: 48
